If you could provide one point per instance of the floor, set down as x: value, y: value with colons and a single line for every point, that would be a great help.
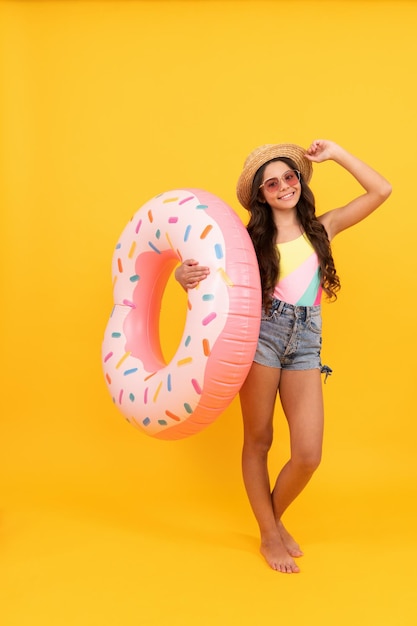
x: 113, y: 549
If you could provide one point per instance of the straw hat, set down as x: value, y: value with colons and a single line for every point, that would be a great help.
x: 266, y: 153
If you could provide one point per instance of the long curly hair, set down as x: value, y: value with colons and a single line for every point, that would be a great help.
x: 263, y: 232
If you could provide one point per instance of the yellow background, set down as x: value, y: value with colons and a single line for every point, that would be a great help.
x: 104, y: 105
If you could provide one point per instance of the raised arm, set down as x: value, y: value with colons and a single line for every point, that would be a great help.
x: 377, y: 188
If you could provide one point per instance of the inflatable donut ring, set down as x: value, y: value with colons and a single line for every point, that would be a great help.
x: 177, y: 399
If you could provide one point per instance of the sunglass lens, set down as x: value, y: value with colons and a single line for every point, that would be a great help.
x: 291, y: 178
x: 272, y: 184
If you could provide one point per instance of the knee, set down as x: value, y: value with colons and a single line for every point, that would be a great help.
x: 258, y: 442
x: 307, y: 461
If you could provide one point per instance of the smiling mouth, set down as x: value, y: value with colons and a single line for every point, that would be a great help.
x: 287, y: 196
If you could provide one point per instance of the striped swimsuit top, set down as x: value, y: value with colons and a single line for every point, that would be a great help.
x: 299, y: 281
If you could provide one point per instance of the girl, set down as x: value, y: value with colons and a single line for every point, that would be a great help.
x: 295, y: 262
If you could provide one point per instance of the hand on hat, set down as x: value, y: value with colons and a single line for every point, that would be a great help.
x: 321, y: 150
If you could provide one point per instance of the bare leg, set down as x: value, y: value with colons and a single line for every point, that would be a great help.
x: 257, y: 398
x: 302, y: 402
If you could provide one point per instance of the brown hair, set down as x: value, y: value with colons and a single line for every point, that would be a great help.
x: 263, y: 232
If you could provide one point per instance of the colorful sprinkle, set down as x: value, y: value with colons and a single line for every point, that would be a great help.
x: 158, y: 234
x: 131, y: 397
x: 139, y: 224
x: 158, y: 389
x: 116, y: 335
x: 129, y: 303
x: 181, y: 362
x: 209, y: 318
x: 187, y: 407
x: 150, y: 376
x: 120, y: 396
x: 145, y: 396
x: 218, y: 250
x: 170, y: 200
x: 134, y: 278
x: 169, y: 387
x: 119, y: 265
x: 119, y: 245
x: 132, y: 371
x: 187, y: 341
x: 150, y: 216
x: 169, y: 241
x: 150, y: 244
x: 107, y: 357
x: 124, y: 357
x: 162, y: 423
x: 187, y: 232
x: 146, y: 421
x: 208, y: 296
x: 225, y: 277
x: 172, y: 416
x: 172, y: 220
x: 186, y: 200
x: 132, y: 249
x: 108, y: 379
x: 206, y: 231
x: 196, y: 386
x: 206, y: 347
x: 201, y: 206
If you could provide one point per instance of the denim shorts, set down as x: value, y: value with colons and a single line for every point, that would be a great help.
x: 290, y: 337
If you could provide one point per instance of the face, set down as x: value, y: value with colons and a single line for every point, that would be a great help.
x: 281, y: 187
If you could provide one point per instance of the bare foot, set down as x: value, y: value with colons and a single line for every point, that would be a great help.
x: 277, y: 556
x: 289, y: 542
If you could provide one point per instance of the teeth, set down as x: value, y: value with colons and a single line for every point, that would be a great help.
x: 288, y: 195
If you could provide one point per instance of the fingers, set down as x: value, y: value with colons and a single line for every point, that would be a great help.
x: 189, y: 274
x: 315, y: 147
x: 195, y: 275
x: 192, y: 270
x: 320, y: 150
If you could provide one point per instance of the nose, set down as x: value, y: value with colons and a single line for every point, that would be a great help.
x: 282, y: 184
